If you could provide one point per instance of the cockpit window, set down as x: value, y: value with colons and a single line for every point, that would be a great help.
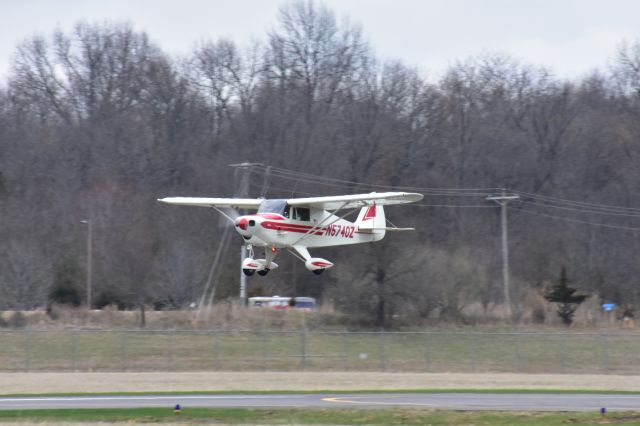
x: 301, y: 213
x: 281, y: 207
x: 274, y: 206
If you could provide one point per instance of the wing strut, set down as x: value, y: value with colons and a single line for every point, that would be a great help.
x: 317, y: 227
x: 300, y: 252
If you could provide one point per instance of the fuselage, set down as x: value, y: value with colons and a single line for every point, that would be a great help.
x: 278, y: 225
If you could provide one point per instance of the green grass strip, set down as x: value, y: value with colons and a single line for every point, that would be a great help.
x: 342, y: 416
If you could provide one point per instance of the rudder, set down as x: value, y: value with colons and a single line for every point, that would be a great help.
x: 371, y: 220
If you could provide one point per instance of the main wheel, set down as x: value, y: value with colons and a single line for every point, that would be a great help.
x: 318, y: 271
x: 263, y: 272
x: 249, y: 272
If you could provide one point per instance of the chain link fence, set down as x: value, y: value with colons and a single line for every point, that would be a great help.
x: 470, y: 352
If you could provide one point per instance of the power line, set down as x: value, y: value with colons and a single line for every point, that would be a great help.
x: 533, y: 199
x: 526, y: 198
x: 584, y: 222
x: 315, y: 194
x: 342, y: 183
x: 563, y: 201
x: 580, y: 210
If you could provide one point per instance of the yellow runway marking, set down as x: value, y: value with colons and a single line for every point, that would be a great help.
x: 369, y: 402
x: 333, y: 400
x: 350, y: 400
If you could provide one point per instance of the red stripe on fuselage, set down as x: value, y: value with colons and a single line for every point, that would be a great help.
x: 291, y: 227
x: 266, y: 223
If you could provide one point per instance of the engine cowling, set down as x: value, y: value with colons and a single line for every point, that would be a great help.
x: 317, y: 264
x: 246, y: 226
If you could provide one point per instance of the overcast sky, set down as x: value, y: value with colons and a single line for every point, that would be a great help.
x: 571, y: 37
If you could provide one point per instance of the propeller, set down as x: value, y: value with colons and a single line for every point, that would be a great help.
x: 228, y: 216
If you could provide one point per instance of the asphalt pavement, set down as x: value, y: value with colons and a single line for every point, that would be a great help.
x: 447, y: 401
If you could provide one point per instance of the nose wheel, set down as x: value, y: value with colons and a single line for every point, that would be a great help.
x: 262, y: 266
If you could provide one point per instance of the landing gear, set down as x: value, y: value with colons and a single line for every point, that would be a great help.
x: 250, y: 265
x: 318, y: 271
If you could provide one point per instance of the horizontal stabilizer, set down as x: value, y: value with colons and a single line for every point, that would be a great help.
x: 371, y: 230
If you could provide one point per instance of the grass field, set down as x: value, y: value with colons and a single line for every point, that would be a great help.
x: 233, y: 416
x: 531, y: 352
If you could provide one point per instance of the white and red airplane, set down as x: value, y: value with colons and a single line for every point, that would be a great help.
x: 298, y: 224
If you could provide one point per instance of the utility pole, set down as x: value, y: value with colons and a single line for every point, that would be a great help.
x: 503, y: 200
x: 243, y: 192
x: 265, y: 183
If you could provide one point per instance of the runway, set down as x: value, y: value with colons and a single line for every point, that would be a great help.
x: 445, y: 401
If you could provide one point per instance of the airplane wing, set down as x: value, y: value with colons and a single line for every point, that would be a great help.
x: 356, y: 200
x: 238, y: 203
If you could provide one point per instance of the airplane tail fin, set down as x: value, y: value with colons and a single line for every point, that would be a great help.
x: 371, y: 220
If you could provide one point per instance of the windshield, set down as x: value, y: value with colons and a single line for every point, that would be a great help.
x: 273, y: 206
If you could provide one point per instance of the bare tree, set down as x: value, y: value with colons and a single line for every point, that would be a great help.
x: 25, y: 276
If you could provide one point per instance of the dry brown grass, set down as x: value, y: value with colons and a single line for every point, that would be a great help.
x: 228, y: 315
x: 37, y: 383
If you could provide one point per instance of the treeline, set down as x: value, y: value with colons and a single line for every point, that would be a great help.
x: 97, y: 123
